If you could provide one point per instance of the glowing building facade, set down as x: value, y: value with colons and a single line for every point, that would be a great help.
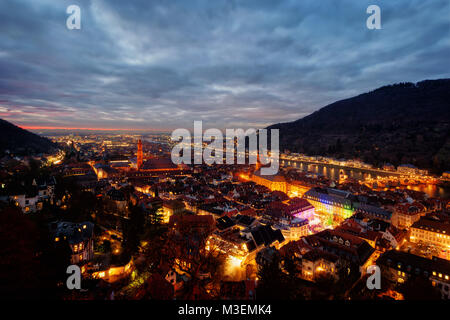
x: 333, y: 203
x: 272, y: 182
x: 140, y: 156
x: 431, y: 232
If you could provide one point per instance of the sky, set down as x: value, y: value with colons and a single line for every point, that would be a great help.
x: 160, y: 65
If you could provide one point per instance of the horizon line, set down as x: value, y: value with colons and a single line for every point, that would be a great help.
x: 85, y: 128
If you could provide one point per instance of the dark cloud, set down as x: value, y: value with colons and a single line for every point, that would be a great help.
x: 163, y: 64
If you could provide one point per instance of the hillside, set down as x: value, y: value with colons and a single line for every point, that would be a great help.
x: 401, y: 123
x: 22, y: 142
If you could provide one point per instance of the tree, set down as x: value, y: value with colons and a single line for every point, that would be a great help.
x: 133, y: 229
x: 55, y: 259
x: 188, y: 253
x: 273, y: 283
x: 82, y: 205
x: 158, y: 288
x: 154, y: 254
x: 19, y: 265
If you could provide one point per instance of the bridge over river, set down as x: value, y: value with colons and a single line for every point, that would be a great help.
x: 332, y: 171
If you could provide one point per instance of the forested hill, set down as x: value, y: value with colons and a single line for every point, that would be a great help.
x: 400, y: 123
x: 22, y: 142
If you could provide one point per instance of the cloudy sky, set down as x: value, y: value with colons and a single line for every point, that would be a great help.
x: 156, y: 64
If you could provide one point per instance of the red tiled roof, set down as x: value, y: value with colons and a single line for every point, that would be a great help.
x: 410, y: 208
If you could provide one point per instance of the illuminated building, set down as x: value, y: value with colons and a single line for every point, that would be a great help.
x: 242, y: 246
x: 27, y: 202
x: 140, y: 156
x: 105, y: 171
x: 405, y: 214
x: 118, y: 198
x: 372, y: 212
x: 157, y: 166
x: 294, y: 229
x: 335, y: 204
x: 172, y: 207
x: 114, y: 273
x: 120, y: 165
x: 292, y: 188
x: 409, y: 169
x: 292, y: 218
x: 316, y: 263
x: 272, y: 182
x: 143, y: 187
x: 233, y: 244
x: 353, y: 228
x: 347, y: 247
x: 398, y: 266
x: 79, y: 236
x: 431, y: 232
x: 388, y: 167
x: 33, y: 200
x: 300, y: 208
x: 324, y: 253
x: 296, y: 188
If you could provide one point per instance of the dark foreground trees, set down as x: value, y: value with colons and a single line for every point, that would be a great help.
x: 31, y: 265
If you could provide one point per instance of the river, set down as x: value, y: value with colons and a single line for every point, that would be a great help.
x: 333, y: 173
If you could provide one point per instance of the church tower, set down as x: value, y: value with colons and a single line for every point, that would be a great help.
x: 140, y: 156
x: 258, y: 162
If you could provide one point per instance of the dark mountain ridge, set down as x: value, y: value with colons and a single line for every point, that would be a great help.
x: 22, y: 142
x: 400, y: 123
